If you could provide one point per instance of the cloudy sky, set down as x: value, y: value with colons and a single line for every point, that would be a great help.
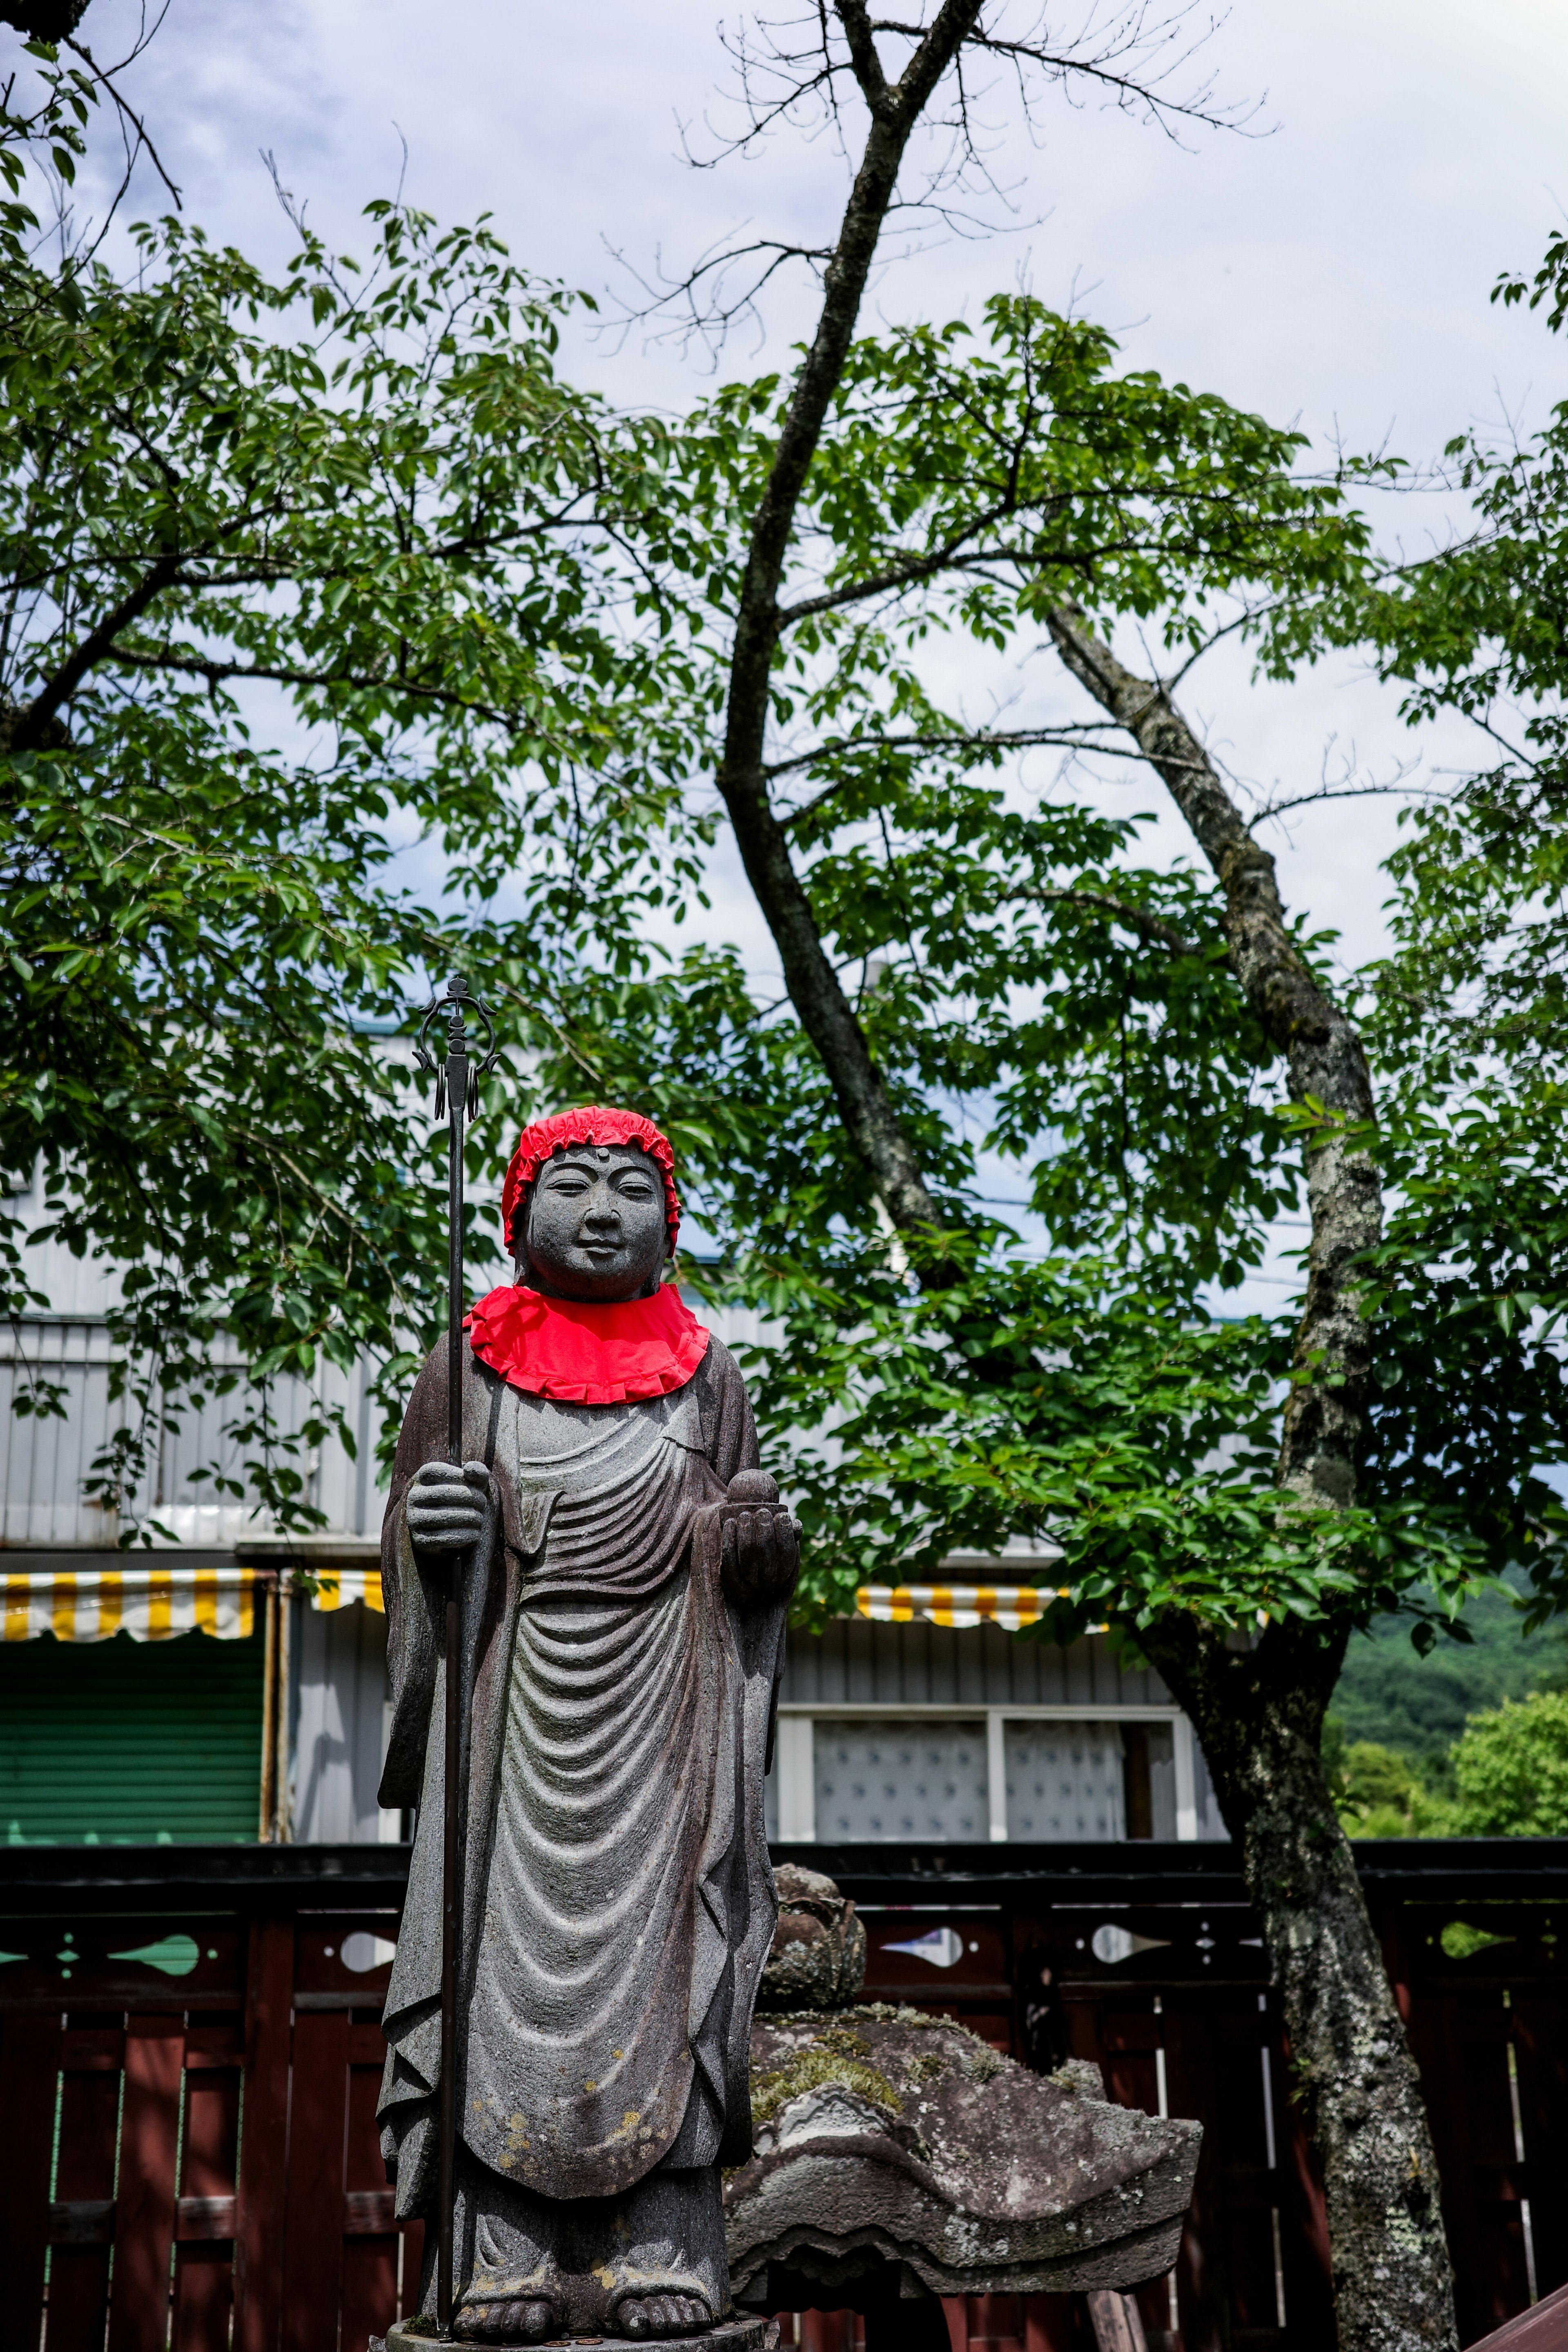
x: 1329, y: 264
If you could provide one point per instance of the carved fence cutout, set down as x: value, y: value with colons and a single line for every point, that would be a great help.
x: 188, y: 2155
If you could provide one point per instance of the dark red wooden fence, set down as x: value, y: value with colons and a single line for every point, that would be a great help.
x: 189, y: 2063
x: 188, y: 2140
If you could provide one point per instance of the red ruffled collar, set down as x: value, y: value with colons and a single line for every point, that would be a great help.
x: 588, y: 1355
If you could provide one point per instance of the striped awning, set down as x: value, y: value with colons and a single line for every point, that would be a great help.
x: 960, y: 1605
x: 332, y: 1569
x: 338, y: 1588
x: 150, y: 1604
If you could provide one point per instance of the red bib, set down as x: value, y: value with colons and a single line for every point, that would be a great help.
x: 588, y: 1355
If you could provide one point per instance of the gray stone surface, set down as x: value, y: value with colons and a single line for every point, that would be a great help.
x: 745, y: 2334
x: 892, y: 2137
x: 818, y: 1958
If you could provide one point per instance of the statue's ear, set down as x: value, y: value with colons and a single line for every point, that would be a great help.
x: 520, y: 1269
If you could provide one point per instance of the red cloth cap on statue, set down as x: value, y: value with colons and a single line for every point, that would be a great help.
x: 586, y: 1354
x: 595, y: 1125
x: 578, y: 1352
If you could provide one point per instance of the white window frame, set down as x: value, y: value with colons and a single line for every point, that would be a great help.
x: 795, y: 1763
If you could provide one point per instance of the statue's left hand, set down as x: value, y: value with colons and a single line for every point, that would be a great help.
x: 760, y: 1555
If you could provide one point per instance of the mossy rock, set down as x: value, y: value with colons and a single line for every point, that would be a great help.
x: 819, y: 1957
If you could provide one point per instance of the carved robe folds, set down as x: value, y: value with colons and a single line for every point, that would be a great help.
x: 618, y: 1898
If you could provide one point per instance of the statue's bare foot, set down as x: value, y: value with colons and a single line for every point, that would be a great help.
x: 524, y: 2322
x: 647, y: 2316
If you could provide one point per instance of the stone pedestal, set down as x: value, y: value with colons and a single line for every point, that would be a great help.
x: 741, y: 2334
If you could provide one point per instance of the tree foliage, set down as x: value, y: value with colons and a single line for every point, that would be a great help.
x: 1511, y: 1769
x: 1028, y: 984
x: 298, y: 569
x: 290, y: 570
x: 1468, y: 1018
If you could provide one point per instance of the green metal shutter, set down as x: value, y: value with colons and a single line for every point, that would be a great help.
x: 129, y: 1743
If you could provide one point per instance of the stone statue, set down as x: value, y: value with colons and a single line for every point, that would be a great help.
x: 627, y: 1574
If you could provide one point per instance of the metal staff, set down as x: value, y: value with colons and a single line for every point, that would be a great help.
x: 456, y: 1100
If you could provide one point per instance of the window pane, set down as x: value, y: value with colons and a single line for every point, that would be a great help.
x: 1064, y: 1782
x: 904, y: 1780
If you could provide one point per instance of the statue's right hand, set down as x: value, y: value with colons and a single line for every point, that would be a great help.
x: 446, y: 1507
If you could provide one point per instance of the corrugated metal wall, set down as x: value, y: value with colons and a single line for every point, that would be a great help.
x: 857, y: 1663
x: 44, y: 1459
x: 341, y: 1693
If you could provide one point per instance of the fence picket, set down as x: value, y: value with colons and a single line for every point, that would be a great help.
x: 29, y: 2072
x: 313, y: 2214
x: 264, y: 2137
x: 209, y: 2169
x: 371, y: 2256
x: 1540, y: 2052
x: 145, y: 2189
x: 91, y: 2061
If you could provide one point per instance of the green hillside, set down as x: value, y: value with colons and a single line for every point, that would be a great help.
x: 1389, y: 1694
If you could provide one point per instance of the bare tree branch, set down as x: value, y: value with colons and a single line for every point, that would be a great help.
x: 1152, y: 928
x: 104, y: 76
x: 1129, y: 89
x: 1333, y: 1358
x: 1345, y: 793
x: 1130, y: 53
x: 829, y: 1021
x: 29, y: 730
x: 1078, y: 739
x: 218, y: 673
x: 710, y: 320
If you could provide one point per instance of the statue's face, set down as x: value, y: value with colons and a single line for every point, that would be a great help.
x: 596, y: 1224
